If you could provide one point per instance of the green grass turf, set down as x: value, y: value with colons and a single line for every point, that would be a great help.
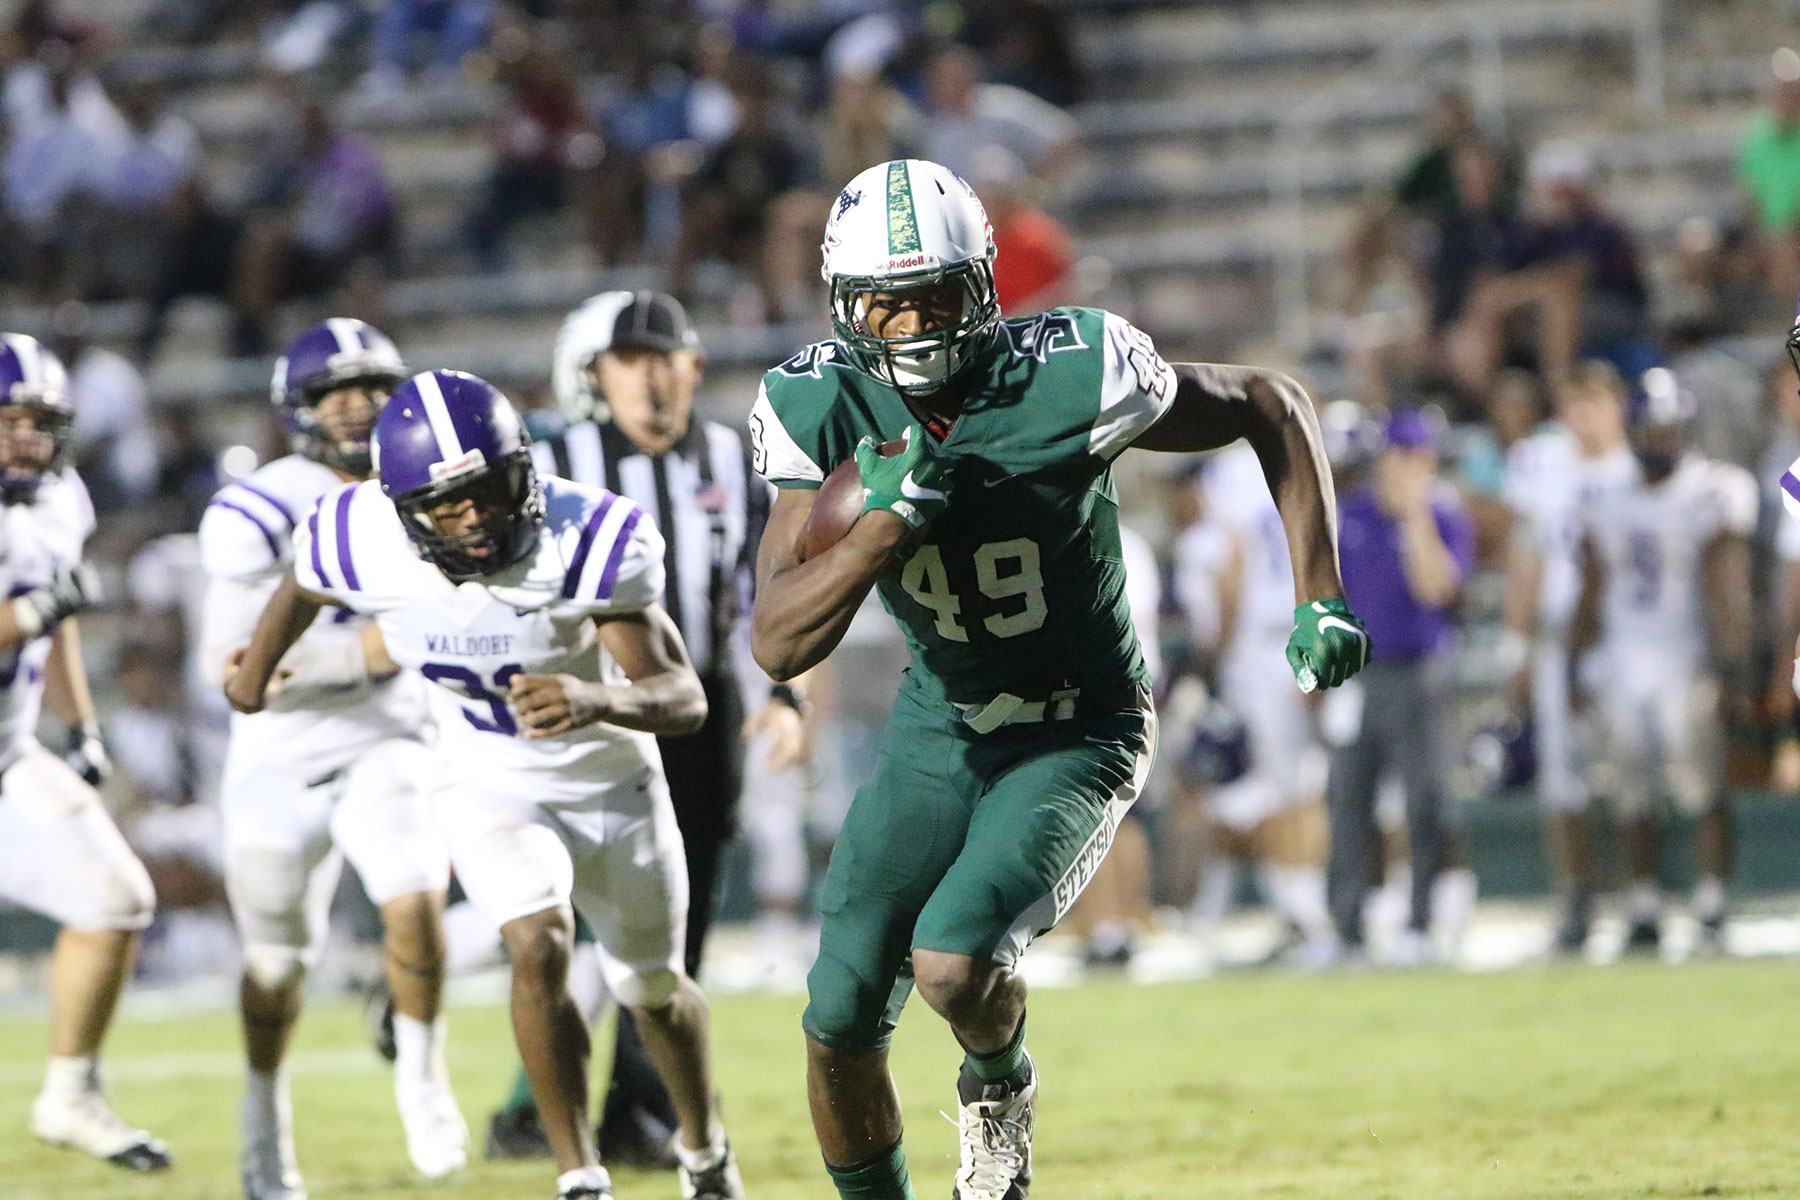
x: 1626, y: 1081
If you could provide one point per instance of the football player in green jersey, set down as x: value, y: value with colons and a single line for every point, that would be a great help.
x: 1023, y: 729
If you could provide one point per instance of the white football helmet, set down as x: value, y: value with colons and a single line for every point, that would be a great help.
x: 903, y: 225
x: 585, y: 335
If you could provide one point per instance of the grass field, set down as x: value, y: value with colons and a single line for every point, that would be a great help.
x: 1627, y: 1081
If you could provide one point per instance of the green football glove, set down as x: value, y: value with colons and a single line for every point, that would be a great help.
x: 913, y: 484
x: 1328, y: 644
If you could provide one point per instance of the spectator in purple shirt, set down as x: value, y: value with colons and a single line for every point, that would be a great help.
x: 322, y: 213
x: 1406, y: 547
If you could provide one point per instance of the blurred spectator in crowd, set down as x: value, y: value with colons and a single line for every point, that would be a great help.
x: 1034, y: 260
x: 1769, y: 170
x: 1407, y: 548
x: 545, y: 149
x: 1573, y: 270
x: 866, y: 122
x: 111, y: 442
x: 1720, y: 285
x: 727, y: 210
x: 62, y: 148
x: 650, y: 154
x: 1514, y: 408
x: 1028, y: 44
x: 963, y: 114
x: 320, y: 209
x: 140, y: 195
x: 438, y: 32
x: 1425, y: 191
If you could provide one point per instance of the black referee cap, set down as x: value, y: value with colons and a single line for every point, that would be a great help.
x: 653, y: 321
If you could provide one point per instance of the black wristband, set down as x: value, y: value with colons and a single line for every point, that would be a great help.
x: 786, y: 693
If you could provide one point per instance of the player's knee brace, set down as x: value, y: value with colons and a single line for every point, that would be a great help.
x: 274, y: 968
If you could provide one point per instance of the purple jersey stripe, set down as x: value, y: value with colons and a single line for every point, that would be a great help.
x: 585, y: 544
x: 278, y: 505
x: 343, y: 540
x: 269, y: 534
x: 318, y: 562
x: 610, y: 576
x: 1790, y: 485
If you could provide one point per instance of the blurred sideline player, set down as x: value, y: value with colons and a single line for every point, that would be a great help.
x: 60, y: 853
x: 1551, y: 478
x: 533, y: 609
x: 1116, y: 905
x: 1023, y: 729
x: 1231, y: 568
x: 1665, y: 600
x: 333, y: 769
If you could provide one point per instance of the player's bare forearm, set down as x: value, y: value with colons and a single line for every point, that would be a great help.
x: 288, y: 614
x: 1725, y: 574
x: 663, y: 697
x: 1584, y: 625
x: 66, y: 692
x: 804, y: 608
x: 1216, y: 405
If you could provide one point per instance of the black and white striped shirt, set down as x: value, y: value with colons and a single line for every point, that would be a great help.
x: 708, y: 505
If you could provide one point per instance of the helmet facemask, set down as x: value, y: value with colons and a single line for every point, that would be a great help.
x: 922, y: 364
x: 509, y: 506
x: 346, y: 447
x: 29, y: 454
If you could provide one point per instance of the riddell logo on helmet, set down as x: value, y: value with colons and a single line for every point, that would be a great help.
x: 466, y: 463
x: 910, y: 261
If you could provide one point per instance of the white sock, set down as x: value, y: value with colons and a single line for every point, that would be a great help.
x: 268, y: 1113
x: 1112, y: 935
x: 68, y: 1076
x: 593, y: 1177
x: 1453, y: 904
x: 1643, y: 901
x: 1218, y: 880
x: 1298, y: 894
x: 700, y: 1160
x: 1709, y: 897
x: 419, y: 1053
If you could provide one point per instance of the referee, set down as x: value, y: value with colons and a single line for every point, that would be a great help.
x: 626, y: 366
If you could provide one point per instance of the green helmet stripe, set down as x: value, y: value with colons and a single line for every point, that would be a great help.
x: 903, y: 222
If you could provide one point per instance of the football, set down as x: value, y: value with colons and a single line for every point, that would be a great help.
x: 838, y: 504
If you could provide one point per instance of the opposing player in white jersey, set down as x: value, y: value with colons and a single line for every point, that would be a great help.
x: 60, y: 854
x: 1550, y: 479
x: 333, y: 769
x: 1232, y: 574
x: 534, y: 609
x: 1666, y: 586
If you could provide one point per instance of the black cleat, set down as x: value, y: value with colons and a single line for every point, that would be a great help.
x: 378, y: 1012
x: 1711, y: 939
x: 516, y: 1133
x: 1644, y: 937
x: 719, y: 1181
x: 148, y: 1155
x: 638, y: 1138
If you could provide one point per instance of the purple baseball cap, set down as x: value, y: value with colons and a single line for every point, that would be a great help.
x: 1410, y: 429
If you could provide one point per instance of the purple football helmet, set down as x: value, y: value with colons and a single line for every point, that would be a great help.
x: 33, y: 378
x: 446, y: 437
x: 332, y: 354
